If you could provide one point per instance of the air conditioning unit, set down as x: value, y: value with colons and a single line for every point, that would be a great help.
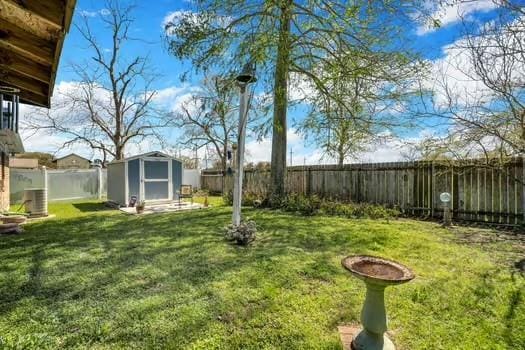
x: 35, y: 202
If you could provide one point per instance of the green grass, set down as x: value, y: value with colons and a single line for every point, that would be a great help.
x: 97, y: 279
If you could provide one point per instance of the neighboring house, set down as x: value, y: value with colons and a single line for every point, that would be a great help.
x: 72, y: 161
x: 31, y: 38
x: 23, y: 163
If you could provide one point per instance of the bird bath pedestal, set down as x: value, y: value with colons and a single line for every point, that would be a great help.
x: 377, y: 274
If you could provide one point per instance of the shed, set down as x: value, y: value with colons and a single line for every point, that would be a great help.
x: 151, y: 177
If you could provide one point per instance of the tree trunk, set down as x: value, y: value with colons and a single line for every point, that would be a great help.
x: 278, y: 164
x: 119, y: 152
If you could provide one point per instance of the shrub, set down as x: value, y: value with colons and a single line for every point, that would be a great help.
x: 353, y: 210
x: 301, y: 204
x: 311, y: 205
x: 243, y: 234
x: 249, y: 199
x: 227, y: 197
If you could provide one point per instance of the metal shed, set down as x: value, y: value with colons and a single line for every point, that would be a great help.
x: 152, y: 177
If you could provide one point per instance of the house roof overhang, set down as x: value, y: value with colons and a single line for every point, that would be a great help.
x: 32, y: 33
x: 70, y: 155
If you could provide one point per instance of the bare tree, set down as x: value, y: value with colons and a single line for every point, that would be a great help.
x: 479, y: 94
x: 111, y: 103
x: 208, y: 118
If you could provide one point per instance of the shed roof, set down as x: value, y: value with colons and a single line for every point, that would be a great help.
x: 31, y: 37
x: 145, y: 155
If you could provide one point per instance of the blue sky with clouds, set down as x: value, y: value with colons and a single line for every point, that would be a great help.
x: 148, y: 27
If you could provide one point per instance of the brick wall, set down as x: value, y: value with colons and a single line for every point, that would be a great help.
x: 4, y: 181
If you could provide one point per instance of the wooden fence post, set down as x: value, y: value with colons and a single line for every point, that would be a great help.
x: 309, y: 181
x: 99, y: 176
x: 523, y: 189
x: 432, y: 188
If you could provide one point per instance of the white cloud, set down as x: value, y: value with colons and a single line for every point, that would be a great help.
x: 392, y: 149
x: 86, y: 13
x: 46, y: 140
x: 453, y: 11
x: 300, y: 88
x: 455, y: 76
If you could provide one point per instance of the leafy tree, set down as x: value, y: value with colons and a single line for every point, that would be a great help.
x: 284, y: 38
x: 362, y: 106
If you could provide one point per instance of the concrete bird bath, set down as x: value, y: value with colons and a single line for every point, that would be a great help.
x: 377, y: 274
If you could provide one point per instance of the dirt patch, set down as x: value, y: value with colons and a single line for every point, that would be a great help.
x: 507, y: 245
x: 476, y: 235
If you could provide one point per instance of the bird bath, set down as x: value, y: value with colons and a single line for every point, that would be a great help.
x: 377, y: 274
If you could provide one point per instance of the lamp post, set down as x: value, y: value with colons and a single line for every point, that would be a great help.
x: 445, y: 198
x: 246, y: 77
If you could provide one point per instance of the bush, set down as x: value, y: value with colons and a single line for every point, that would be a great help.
x: 311, y: 205
x: 227, y: 197
x: 301, y: 204
x: 353, y: 210
x: 243, y: 234
x: 249, y: 199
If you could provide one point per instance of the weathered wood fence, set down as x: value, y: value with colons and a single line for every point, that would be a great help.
x: 480, y: 191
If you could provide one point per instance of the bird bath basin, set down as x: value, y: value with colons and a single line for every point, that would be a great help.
x: 377, y: 273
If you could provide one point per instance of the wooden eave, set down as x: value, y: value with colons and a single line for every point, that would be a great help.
x: 32, y: 33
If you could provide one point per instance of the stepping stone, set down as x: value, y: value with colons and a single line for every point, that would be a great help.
x: 10, y: 228
x: 13, y: 219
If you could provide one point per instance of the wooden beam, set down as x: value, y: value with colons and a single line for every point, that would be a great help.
x: 31, y: 38
x: 24, y: 83
x: 29, y: 98
x: 29, y: 22
x: 11, y: 61
x: 26, y: 43
x: 68, y: 16
x: 50, y: 10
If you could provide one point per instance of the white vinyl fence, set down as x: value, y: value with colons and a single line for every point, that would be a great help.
x: 60, y: 184
x: 191, y: 177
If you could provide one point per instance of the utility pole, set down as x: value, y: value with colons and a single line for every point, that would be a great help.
x: 206, y: 157
x: 291, y: 156
x: 246, y: 77
x: 196, y: 158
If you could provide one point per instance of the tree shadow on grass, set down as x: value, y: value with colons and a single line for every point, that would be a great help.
x: 128, y: 271
x: 515, y: 301
x: 91, y: 206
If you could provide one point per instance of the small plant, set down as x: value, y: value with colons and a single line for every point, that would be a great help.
x: 140, y: 207
x: 243, y: 234
x: 227, y: 197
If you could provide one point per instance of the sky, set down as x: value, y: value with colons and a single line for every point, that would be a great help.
x: 433, y: 44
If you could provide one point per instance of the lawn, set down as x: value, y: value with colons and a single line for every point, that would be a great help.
x: 97, y: 279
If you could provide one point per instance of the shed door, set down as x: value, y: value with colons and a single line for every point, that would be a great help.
x: 156, y: 179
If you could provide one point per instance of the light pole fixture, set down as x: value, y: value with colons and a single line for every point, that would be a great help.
x: 246, y: 77
x: 445, y: 198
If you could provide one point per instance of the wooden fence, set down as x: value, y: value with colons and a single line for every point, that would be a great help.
x: 480, y: 192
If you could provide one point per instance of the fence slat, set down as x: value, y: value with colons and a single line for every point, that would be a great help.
x: 480, y: 192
